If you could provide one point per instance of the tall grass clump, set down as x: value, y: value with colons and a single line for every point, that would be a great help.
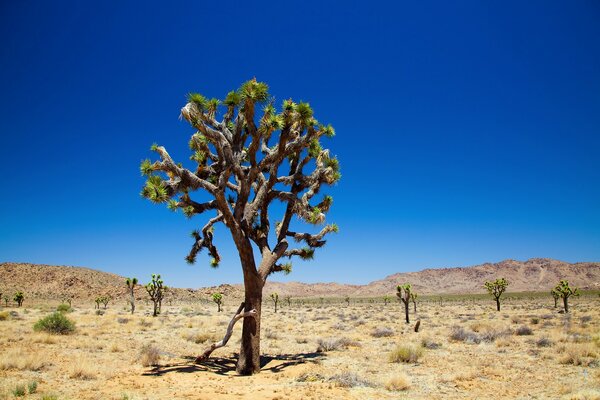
x: 406, y: 353
x: 55, y: 323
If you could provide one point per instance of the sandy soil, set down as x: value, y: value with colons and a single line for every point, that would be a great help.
x: 489, y: 358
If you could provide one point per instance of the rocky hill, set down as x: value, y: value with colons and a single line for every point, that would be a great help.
x: 539, y: 274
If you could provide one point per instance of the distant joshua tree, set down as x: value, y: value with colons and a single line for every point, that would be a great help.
x: 19, y: 298
x: 413, y: 298
x: 555, y: 295
x: 288, y: 300
x: 347, y: 300
x: 275, y: 298
x: 67, y: 300
x: 565, y: 291
x: 155, y: 289
x: 6, y: 300
x: 496, y: 288
x: 403, y: 293
x: 131, y: 282
x: 105, y: 300
x: 386, y: 299
x: 218, y: 299
x: 98, y: 300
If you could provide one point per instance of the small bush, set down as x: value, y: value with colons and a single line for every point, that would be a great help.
x: 49, y: 397
x: 64, y: 308
x: 123, y: 320
x: 32, y: 387
x: 428, y: 343
x: 349, y: 380
x: 523, y: 330
x: 310, y: 377
x: 19, y: 391
x: 149, y: 356
x: 406, y: 353
x: 535, y: 321
x: 543, y: 342
x: 4, y: 315
x: 331, y: 344
x: 586, y: 319
x: 459, y: 334
x: 55, y: 323
x: 398, y: 383
x: 382, y: 332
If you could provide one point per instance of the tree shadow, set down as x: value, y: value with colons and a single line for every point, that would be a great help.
x: 226, y: 365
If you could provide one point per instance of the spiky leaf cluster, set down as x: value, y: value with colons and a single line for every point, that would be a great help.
x: 563, y: 290
x: 497, y: 287
x: 247, y: 157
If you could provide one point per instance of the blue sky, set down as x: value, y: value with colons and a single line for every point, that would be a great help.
x: 466, y: 132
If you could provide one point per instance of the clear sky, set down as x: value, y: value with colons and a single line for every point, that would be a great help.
x: 467, y: 131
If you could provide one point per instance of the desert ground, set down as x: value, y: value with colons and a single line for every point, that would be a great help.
x: 464, y: 349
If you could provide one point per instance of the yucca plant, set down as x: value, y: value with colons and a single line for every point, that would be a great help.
x: 218, y: 299
x: 565, y: 291
x: 249, y: 155
x: 156, y: 289
x: 403, y: 293
x: 131, y: 282
x: 275, y: 299
x: 496, y: 289
x: 18, y: 298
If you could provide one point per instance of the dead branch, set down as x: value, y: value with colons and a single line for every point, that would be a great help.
x: 240, y: 313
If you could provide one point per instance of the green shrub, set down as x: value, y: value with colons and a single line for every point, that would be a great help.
x: 64, y: 308
x: 406, y: 353
x: 32, y: 387
x: 4, y: 315
x: 19, y: 391
x: 55, y: 323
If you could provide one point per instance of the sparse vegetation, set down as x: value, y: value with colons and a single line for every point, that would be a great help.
x: 64, y: 308
x: 56, y: 323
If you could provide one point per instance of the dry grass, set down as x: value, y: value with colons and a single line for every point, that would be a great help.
x: 463, y: 350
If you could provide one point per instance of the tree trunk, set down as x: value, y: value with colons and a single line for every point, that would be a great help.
x: 415, y: 306
x: 249, y: 359
x: 406, y: 311
x: 155, y: 312
x: 497, y: 304
x: 566, y: 303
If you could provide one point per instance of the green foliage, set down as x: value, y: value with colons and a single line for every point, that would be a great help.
x: 146, y: 167
x: 565, y: 291
x: 275, y: 297
x: 254, y: 91
x: 217, y: 298
x: 200, y: 101
x: 55, y: 323
x: 32, y: 387
x: 403, y: 292
x: 131, y: 282
x: 305, y: 113
x: 155, y: 190
x: 497, y: 287
x: 406, y: 353
x: 19, y: 297
x: 232, y: 99
x: 64, y: 308
x: 328, y: 131
x: 286, y: 268
x: 19, y: 391
x: 307, y: 253
x: 315, y: 148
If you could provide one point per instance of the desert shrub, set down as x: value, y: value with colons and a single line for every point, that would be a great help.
x: 82, y: 371
x: 523, y: 330
x: 301, y: 340
x: 428, y: 343
x: 310, y: 377
x: 398, y: 383
x: 339, y: 326
x: 99, y: 312
x: 382, y: 332
x: 64, y: 308
x: 535, y: 320
x: 19, y: 391
x: 543, y: 342
x: 330, y: 344
x: 49, y: 397
x: 4, y: 315
x: 123, y: 320
x: 460, y: 334
x: 583, y: 354
x: 32, y: 387
x: 200, y: 337
x: 149, y: 355
x: 55, y: 323
x: 269, y: 334
x: 586, y: 318
x: 406, y: 353
x: 349, y: 380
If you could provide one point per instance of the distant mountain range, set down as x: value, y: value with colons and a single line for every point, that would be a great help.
x: 537, y: 274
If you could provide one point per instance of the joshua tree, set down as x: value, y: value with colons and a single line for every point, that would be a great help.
x: 155, y: 289
x: 67, y: 300
x: 98, y: 300
x: 555, y: 295
x: 105, y: 300
x: 413, y: 298
x: 238, y: 166
x: 288, y: 300
x: 275, y: 299
x: 131, y: 282
x: 218, y: 298
x: 403, y: 293
x: 19, y: 298
x: 347, y: 300
x: 386, y: 299
x: 6, y: 300
x: 565, y: 291
x: 496, y: 288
